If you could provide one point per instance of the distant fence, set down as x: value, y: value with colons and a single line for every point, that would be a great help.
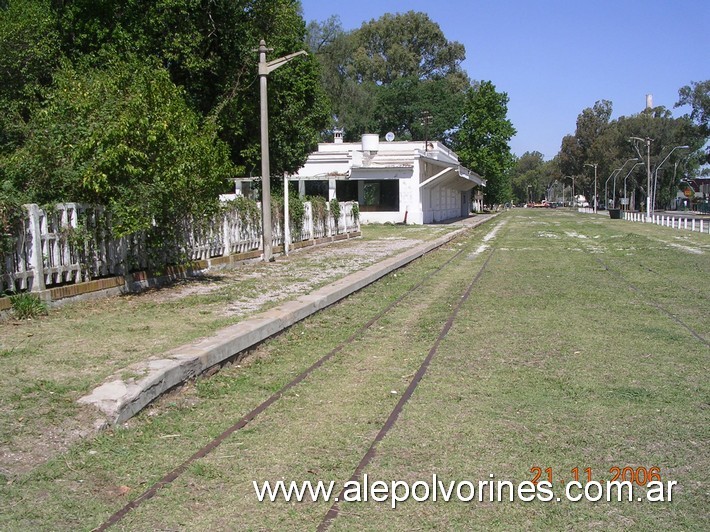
x: 73, y: 243
x: 674, y: 222
x: 665, y: 220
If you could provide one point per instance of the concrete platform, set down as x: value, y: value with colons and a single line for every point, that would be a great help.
x: 119, y: 399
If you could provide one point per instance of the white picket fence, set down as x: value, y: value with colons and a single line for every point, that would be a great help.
x: 73, y: 243
x: 665, y: 220
x: 674, y: 222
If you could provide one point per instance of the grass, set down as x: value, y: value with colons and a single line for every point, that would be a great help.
x: 553, y: 362
x: 78, y: 346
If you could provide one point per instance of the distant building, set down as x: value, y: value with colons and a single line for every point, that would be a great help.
x: 392, y: 181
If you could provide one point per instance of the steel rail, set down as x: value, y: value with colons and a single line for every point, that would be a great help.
x: 334, y: 510
x: 244, y: 420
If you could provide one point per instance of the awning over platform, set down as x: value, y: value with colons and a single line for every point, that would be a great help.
x: 456, y: 177
x: 381, y: 172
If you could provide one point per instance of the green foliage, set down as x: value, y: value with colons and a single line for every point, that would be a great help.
x: 531, y: 175
x: 208, y: 49
x: 246, y: 208
x: 580, y: 148
x: 335, y: 210
x: 382, y: 76
x: 296, y: 210
x: 697, y: 95
x: 404, y: 45
x: 319, y: 209
x: 29, y: 46
x: 124, y: 102
x: 122, y: 136
x: 27, y: 306
x: 11, y: 214
x: 607, y: 143
x: 81, y: 241
x: 482, y: 140
x: 356, y: 211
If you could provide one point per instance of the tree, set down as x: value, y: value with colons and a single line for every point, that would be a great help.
x: 208, y: 49
x: 530, y: 176
x: 579, y: 149
x: 147, y: 107
x: 29, y: 45
x: 482, y: 140
x: 697, y: 95
x: 606, y: 143
x: 404, y: 45
x: 665, y: 132
x: 122, y: 136
x: 384, y: 75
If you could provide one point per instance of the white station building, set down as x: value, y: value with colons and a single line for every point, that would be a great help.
x: 399, y: 182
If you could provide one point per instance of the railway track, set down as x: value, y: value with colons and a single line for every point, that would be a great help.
x: 468, y: 250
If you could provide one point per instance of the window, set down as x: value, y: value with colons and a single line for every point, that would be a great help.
x: 317, y: 188
x: 346, y: 190
x: 382, y: 195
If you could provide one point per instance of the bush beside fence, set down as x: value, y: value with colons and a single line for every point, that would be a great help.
x: 73, y: 243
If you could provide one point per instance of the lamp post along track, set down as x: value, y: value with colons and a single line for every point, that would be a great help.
x: 244, y: 420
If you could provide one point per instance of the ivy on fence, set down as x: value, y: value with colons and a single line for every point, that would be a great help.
x: 71, y: 242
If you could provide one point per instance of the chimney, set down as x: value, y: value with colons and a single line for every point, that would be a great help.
x: 338, y: 136
x: 649, y: 101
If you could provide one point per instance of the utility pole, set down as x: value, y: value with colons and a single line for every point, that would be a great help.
x: 595, y: 184
x: 649, y: 195
x: 265, y: 68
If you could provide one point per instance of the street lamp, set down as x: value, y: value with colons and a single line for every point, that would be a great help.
x: 595, y: 184
x: 573, y: 197
x: 606, y: 187
x: 265, y: 68
x: 647, y: 140
x: 626, y: 199
x: 615, y: 173
x: 655, y: 172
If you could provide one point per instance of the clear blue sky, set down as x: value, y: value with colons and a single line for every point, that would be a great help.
x: 554, y: 58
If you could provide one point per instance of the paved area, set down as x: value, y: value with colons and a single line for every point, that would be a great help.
x: 119, y: 398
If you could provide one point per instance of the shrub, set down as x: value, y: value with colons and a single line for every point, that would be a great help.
x: 27, y: 306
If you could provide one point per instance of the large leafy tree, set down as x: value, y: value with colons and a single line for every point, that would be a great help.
x: 483, y: 137
x: 386, y: 74
x: 147, y: 107
x: 122, y: 136
x: 531, y: 175
x: 579, y: 149
x: 208, y: 46
x: 608, y: 144
x: 29, y: 53
x: 665, y: 132
x: 697, y: 95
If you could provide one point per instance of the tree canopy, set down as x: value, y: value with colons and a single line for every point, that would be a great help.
x: 149, y: 106
x: 697, y: 95
x: 482, y: 140
x: 386, y: 74
x: 609, y: 144
x: 121, y: 136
